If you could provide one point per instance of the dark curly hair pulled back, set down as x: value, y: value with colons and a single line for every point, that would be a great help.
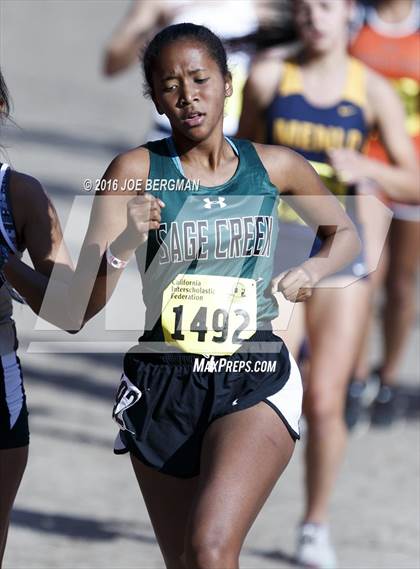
x: 171, y: 34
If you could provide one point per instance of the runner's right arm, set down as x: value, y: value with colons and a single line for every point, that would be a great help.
x: 297, y: 181
x: 117, y: 220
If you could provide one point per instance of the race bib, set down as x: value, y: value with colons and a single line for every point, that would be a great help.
x: 127, y: 396
x: 207, y: 314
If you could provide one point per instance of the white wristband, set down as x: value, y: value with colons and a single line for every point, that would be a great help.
x: 114, y: 261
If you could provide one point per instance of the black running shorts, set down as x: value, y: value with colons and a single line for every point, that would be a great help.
x: 166, y: 402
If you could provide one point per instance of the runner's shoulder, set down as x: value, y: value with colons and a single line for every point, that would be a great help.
x: 132, y: 162
x: 24, y: 186
x: 378, y: 86
x: 283, y: 165
x: 264, y: 78
x: 27, y: 194
x: 130, y: 165
x: 277, y: 156
x: 29, y: 201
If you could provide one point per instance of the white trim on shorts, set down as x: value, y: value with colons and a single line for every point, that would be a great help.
x: 288, y: 401
x: 13, y: 386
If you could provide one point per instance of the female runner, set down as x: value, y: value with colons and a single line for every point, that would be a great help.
x: 389, y: 42
x: 322, y: 104
x: 209, y: 400
x: 27, y: 221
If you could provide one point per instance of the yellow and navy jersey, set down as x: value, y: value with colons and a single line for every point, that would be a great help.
x: 311, y: 130
x: 292, y: 121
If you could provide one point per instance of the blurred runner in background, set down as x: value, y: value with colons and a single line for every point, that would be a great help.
x: 388, y: 40
x: 29, y: 221
x: 322, y: 103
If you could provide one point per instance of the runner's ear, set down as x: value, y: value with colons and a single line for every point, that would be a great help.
x: 228, y: 85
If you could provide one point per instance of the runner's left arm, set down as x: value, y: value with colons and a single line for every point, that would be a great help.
x: 298, y: 182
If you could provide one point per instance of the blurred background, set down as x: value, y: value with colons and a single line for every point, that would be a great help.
x: 78, y: 505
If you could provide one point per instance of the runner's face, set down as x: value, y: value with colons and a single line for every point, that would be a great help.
x: 322, y: 24
x: 189, y: 89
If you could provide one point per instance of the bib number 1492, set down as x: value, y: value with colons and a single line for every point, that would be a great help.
x: 209, y: 314
x: 219, y: 324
